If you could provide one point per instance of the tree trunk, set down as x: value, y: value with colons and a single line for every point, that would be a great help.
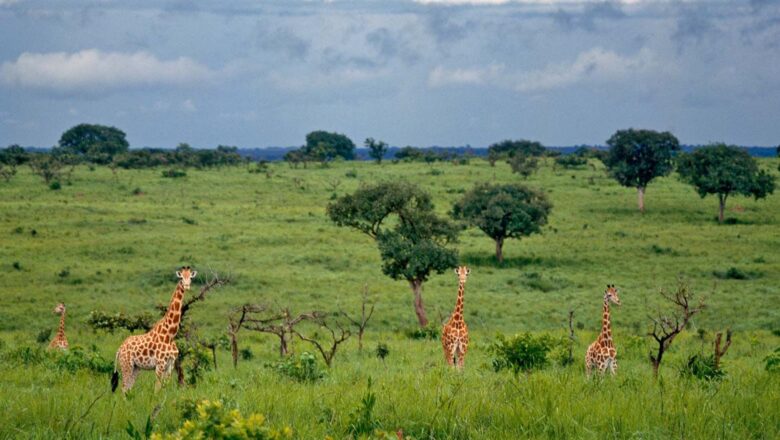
x: 283, y: 345
x: 500, y: 249
x: 419, y: 308
x: 640, y: 191
x: 722, y: 207
x: 179, y: 371
x: 234, y: 349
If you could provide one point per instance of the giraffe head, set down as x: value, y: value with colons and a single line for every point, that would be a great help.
x: 186, y: 274
x: 611, y: 294
x: 462, y: 272
x: 60, y: 309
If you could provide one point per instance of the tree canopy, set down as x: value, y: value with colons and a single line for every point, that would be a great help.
x: 510, y: 148
x: 96, y: 143
x: 324, y: 145
x: 636, y: 157
x: 14, y: 155
x: 376, y: 149
x: 413, y: 245
x: 503, y: 211
x: 724, y: 170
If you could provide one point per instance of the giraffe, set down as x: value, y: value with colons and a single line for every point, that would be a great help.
x: 155, y: 349
x: 60, y: 341
x: 602, y: 354
x: 455, y: 334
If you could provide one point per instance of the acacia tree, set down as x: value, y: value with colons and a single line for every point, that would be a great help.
x: 376, y: 149
x: 724, y: 170
x: 417, y: 242
x: 503, y: 211
x: 510, y: 148
x: 667, y: 326
x: 325, y: 145
x: 97, y: 143
x: 636, y: 157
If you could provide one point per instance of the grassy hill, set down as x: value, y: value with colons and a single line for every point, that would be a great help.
x: 112, y: 243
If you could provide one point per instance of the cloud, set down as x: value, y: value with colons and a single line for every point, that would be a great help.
x: 590, y: 13
x: 283, y: 40
x: 593, y: 66
x: 188, y: 106
x: 93, y: 71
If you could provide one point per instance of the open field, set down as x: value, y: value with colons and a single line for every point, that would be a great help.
x: 112, y: 243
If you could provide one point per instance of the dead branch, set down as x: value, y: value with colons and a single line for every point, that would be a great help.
x: 338, y: 334
x: 236, y: 319
x: 362, y: 322
x: 718, y: 351
x: 666, y: 328
x: 280, y: 324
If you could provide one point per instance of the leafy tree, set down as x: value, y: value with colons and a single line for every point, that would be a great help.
x: 97, y: 143
x: 413, y: 245
x: 523, y: 164
x: 724, y: 170
x: 327, y: 146
x: 377, y: 149
x: 636, y: 157
x: 503, y: 211
x: 13, y: 156
x: 510, y: 148
x: 409, y: 154
x: 47, y: 166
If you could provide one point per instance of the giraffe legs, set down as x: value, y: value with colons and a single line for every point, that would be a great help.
x: 460, y: 355
x: 129, y: 372
x: 163, y: 371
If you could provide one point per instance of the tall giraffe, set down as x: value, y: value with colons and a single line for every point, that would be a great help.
x: 455, y: 334
x: 60, y: 341
x: 155, y: 349
x: 602, y: 353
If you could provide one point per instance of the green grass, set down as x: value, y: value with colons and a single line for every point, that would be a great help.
x: 113, y: 244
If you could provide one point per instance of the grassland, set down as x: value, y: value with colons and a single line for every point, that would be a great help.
x: 111, y: 242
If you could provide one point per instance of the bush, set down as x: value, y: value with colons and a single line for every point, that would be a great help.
x: 431, y: 331
x: 522, y: 352
x: 55, y: 185
x: 302, y: 369
x: 76, y: 358
x: 702, y: 367
x: 382, y: 351
x: 43, y: 336
x: 352, y: 174
x: 100, y: 320
x: 736, y: 274
x: 571, y: 161
x: 773, y: 361
x: 212, y: 421
x: 246, y: 353
x: 361, y: 419
x: 174, y: 173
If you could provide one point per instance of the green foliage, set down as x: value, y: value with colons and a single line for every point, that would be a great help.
x: 376, y: 149
x: 96, y: 143
x: 246, y: 353
x: 6, y: 172
x: 362, y: 420
x: 46, y: 166
x: 510, y: 148
x: 13, y: 156
x: 571, y: 161
x: 733, y: 273
x: 101, y: 320
x: 636, y: 157
x: 325, y: 146
x: 76, y: 358
x: 503, y: 211
x: 43, y: 336
x: 772, y: 362
x: 381, y: 351
x: 304, y: 368
x: 522, y: 352
x: 174, y: 173
x: 213, y: 421
x: 702, y: 367
x: 430, y: 332
x: 195, y: 360
x: 723, y: 170
x: 523, y: 164
x: 137, y: 434
x: 55, y: 185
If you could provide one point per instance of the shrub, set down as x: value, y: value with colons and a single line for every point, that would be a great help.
x: 352, y: 174
x: 174, y: 173
x: 138, y: 191
x: 382, y: 351
x: 212, y: 421
x: 773, y: 361
x: 100, y: 320
x: 571, y: 161
x: 302, y: 369
x: 26, y: 355
x: 361, y: 419
x: 55, y: 185
x: 431, y: 331
x: 246, y: 353
x: 734, y: 273
x: 702, y: 367
x: 43, y: 336
x: 76, y: 358
x: 523, y: 352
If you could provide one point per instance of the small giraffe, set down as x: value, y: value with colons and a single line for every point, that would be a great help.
x: 156, y: 349
x: 60, y: 341
x: 602, y: 354
x: 455, y: 334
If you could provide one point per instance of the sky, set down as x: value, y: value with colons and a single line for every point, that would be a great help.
x: 409, y: 72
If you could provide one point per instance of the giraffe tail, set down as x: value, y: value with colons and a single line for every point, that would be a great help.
x: 115, y: 376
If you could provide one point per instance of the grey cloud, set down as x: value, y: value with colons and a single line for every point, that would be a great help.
x: 693, y: 26
x: 587, y: 18
x: 390, y: 45
x: 283, y: 40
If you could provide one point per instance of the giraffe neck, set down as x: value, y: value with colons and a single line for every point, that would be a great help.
x: 61, y: 328
x: 457, y: 314
x: 168, y: 326
x: 606, y: 327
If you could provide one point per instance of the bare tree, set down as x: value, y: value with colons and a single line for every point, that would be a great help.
x: 572, y: 339
x: 280, y: 324
x: 665, y: 327
x: 362, y: 322
x: 236, y: 319
x: 719, y: 352
x: 338, y: 334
